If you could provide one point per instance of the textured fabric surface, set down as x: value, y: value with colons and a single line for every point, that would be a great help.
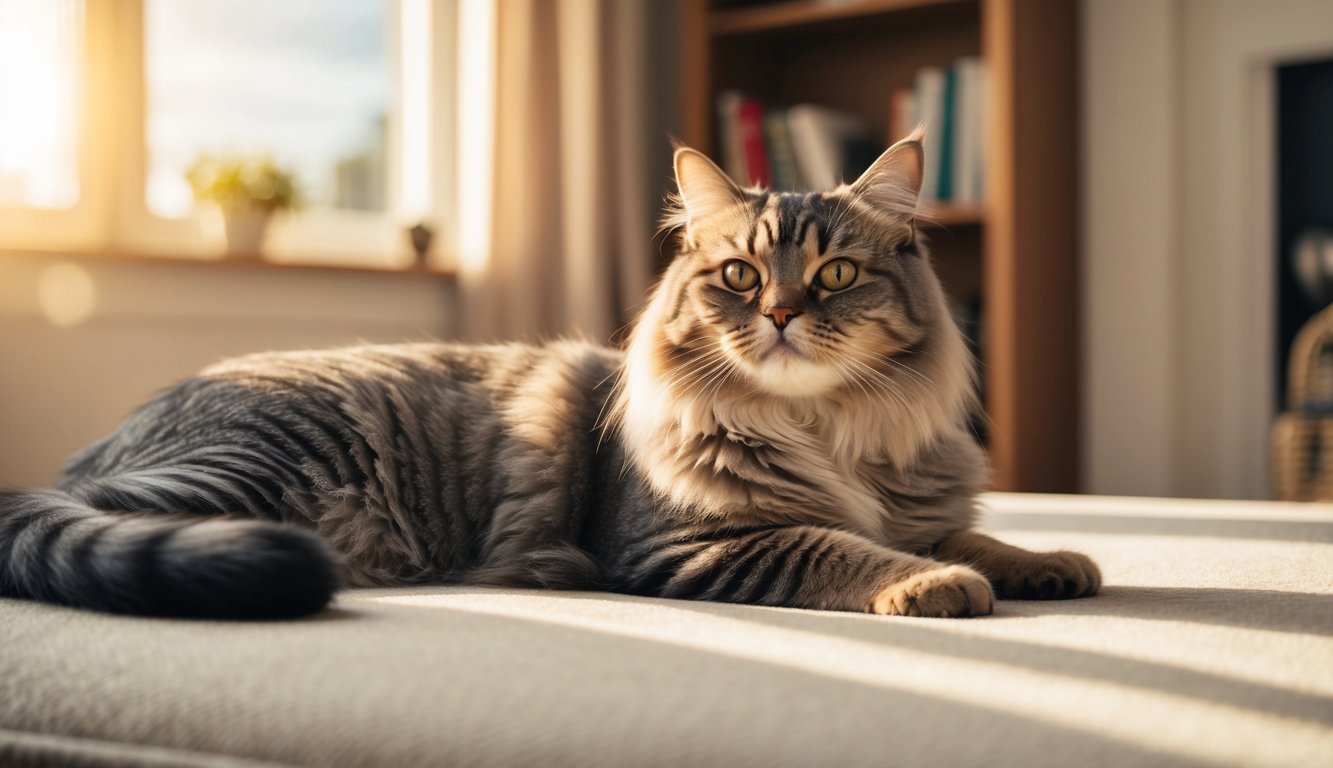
x: 1212, y: 643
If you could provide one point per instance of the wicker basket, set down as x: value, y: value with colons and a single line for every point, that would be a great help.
x: 1303, y: 436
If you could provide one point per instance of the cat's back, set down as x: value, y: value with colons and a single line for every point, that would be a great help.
x: 417, y: 374
x: 439, y: 363
x: 378, y: 396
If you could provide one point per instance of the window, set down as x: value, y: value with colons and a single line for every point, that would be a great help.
x: 120, y: 98
x: 41, y: 57
x: 306, y: 84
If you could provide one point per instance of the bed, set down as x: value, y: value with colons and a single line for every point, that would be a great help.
x: 1211, y: 643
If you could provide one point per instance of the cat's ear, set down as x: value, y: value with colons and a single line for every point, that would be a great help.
x: 893, y: 182
x: 705, y: 189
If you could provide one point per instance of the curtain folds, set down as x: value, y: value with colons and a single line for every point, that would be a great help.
x: 581, y: 160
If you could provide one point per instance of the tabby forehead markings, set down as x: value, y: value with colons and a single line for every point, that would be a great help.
x: 797, y: 217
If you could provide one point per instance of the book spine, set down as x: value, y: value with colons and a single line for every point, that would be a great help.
x: 780, y: 154
x: 751, y: 119
x: 728, y: 126
x: 983, y: 119
x: 948, y: 136
x: 801, y: 129
x: 930, y: 95
x: 967, y: 131
x: 901, y: 110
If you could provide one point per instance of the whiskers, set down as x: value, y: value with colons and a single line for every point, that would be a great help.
x: 710, y: 368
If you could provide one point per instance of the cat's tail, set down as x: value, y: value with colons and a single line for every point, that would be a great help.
x: 57, y: 549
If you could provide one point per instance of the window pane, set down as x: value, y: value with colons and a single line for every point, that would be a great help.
x: 41, y: 67
x: 306, y: 83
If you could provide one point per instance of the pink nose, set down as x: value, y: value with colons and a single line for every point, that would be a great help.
x: 781, y: 316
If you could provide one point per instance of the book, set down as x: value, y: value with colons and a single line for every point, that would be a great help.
x: 930, y: 110
x: 750, y: 122
x: 968, y: 124
x: 947, y: 140
x: 819, y: 138
x: 902, y: 114
x: 782, y: 160
x: 730, y: 147
x: 982, y: 119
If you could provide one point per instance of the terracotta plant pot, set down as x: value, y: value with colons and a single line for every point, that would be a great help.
x: 246, y: 227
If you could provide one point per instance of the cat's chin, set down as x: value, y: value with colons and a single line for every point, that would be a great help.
x: 788, y: 374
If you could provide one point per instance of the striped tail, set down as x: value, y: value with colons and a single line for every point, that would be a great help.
x: 56, y: 549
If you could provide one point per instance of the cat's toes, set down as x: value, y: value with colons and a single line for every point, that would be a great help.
x: 1051, y: 576
x: 946, y: 591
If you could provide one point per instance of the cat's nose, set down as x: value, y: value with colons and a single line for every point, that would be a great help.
x: 781, y: 315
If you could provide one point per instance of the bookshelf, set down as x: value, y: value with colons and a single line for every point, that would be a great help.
x: 1016, y: 253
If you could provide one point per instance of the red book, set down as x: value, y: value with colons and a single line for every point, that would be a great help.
x: 752, y: 142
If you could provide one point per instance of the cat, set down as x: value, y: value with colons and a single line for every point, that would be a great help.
x: 786, y: 427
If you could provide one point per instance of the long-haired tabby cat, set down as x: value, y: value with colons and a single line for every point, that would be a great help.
x: 787, y: 427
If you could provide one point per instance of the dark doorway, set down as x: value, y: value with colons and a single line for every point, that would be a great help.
x: 1305, y: 203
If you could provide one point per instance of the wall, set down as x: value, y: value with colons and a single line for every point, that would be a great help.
x: 1177, y: 196
x: 1129, y: 129
x: 153, y: 324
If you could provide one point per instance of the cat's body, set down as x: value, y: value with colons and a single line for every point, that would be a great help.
x: 734, y: 452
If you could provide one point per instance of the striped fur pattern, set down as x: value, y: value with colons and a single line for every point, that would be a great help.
x: 777, y: 442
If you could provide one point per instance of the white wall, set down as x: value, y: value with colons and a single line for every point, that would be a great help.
x: 153, y: 324
x: 1177, y: 277
x: 1129, y: 129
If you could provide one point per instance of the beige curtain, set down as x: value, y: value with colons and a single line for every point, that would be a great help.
x: 581, y: 159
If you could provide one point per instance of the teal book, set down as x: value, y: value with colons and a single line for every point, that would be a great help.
x: 948, y: 127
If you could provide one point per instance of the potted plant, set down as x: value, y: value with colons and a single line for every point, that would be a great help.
x: 248, y: 190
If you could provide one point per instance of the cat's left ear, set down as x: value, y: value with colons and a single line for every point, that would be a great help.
x: 893, y: 182
x: 705, y: 189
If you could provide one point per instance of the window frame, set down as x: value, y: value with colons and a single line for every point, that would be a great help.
x: 111, y: 216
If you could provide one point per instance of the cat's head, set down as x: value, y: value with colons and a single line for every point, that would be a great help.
x: 805, y: 295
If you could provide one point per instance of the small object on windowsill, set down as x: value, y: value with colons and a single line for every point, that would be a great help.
x: 421, y: 236
x: 246, y: 225
x: 248, y: 190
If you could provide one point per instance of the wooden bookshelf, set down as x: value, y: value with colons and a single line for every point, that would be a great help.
x: 1017, y: 253
x: 798, y: 13
x: 953, y: 215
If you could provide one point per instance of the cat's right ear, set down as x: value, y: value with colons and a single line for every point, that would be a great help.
x: 893, y: 182
x: 705, y: 189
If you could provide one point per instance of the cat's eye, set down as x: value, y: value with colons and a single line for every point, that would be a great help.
x: 836, y: 275
x: 739, y: 276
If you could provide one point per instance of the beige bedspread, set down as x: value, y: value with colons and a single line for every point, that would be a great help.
x: 1212, y: 643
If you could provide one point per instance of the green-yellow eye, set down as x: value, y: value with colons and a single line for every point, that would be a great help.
x: 836, y: 275
x: 739, y: 276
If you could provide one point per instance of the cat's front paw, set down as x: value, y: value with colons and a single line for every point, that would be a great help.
x: 945, y: 591
x: 1050, y: 576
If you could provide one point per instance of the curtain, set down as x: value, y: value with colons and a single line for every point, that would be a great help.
x: 584, y: 105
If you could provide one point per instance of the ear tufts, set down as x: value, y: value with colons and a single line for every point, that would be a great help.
x: 704, y: 188
x: 893, y: 182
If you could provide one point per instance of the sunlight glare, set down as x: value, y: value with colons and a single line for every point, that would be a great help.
x: 66, y: 294
x: 415, y: 116
x: 476, y: 129
x: 41, y: 43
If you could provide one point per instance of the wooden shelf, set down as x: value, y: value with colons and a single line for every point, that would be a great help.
x: 1014, y: 257
x: 952, y: 215
x: 798, y: 13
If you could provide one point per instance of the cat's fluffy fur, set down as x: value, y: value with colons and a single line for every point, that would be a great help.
x: 771, y: 440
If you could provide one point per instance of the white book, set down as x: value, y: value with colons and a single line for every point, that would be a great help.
x: 930, y: 111
x: 983, y: 120
x: 818, y: 136
x: 967, y: 130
